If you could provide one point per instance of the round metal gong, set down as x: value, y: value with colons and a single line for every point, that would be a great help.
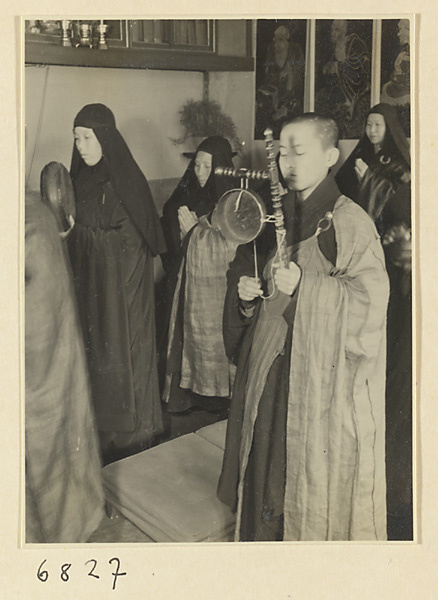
x: 57, y: 191
x: 239, y: 215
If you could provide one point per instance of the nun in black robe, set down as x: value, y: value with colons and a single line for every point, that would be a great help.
x: 112, y: 244
x: 388, y: 168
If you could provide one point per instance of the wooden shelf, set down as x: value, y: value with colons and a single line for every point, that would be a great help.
x: 132, y: 58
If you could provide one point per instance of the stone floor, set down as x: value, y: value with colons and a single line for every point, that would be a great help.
x: 118, y: 530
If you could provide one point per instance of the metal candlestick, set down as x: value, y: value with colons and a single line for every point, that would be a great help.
x: 66, y: 41
x: 102, y: 28
x: 85, y: 33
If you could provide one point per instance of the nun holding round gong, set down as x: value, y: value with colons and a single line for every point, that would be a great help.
x: 112, y: 243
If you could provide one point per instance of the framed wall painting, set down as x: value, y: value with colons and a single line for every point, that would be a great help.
x: 343, y: 72
x: 280, y: 66
x: 395, y: 68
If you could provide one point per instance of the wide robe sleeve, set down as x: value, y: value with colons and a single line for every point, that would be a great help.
x: 374, y: 192
x: 171, y: 228
x: 235, y: 322
x: 335, y: 482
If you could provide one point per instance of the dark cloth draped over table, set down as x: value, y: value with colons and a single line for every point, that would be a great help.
x: 112, y: 244
x: 64, y: 495
x: 187, y: 265
x: 387, y: 169
x: 268, y: 465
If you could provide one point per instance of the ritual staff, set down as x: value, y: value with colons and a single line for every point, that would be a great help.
x: 305, y: 446
x: 112, y: 244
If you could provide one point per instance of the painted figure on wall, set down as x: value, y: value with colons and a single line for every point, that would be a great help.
x: 280, y: 87
x: 397, y: 90
x: 343, y: 82
x: 396, y: 69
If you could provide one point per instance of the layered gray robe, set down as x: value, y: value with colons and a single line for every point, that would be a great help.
x: 335, y: 427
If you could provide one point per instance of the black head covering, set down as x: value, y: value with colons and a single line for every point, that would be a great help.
x: 203, y: 199
x: 395, y: 147
x: 395, y: 139
x: 188, y: 192
x: 129, y: 182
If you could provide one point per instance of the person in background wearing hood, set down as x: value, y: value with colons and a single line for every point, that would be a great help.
x: 195, y: 195
x: 378, y: 165
x: 112, y: 244
x: 197, y: 370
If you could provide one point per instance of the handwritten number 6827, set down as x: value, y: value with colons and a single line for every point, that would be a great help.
x: 43, y: 574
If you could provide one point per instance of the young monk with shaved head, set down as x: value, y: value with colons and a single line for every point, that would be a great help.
x: 304, y: 456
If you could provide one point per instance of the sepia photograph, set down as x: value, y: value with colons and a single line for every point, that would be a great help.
x: 218, y: 281
x: 218, y: 300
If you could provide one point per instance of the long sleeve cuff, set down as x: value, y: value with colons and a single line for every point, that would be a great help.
x: 247, y: 308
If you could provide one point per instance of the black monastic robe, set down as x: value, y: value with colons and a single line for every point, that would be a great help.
x: 113, y: 271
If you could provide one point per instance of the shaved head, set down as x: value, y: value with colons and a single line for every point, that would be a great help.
x: 326, y: 128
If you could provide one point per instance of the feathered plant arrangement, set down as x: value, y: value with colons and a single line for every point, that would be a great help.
x: 204, y: 118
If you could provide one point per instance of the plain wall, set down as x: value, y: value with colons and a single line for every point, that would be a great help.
x: 145, y: 103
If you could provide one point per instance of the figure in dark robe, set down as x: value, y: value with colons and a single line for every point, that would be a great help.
x: 378, y: 165
x: 399, y: 449
x: 199, y: 199
x: 305, y: 455
x: 197, y: 370
x: 112, y: 244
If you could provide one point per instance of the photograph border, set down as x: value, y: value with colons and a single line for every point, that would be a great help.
x: 417, y: 565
